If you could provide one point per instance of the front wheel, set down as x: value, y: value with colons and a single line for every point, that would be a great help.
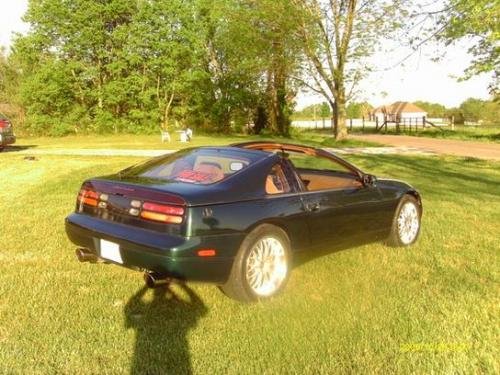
x: 261, y: 267
x: 406, y: 223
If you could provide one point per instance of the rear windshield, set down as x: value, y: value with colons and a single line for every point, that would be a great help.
x: 199, y: 166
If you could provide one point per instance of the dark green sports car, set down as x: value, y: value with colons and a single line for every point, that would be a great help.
x: 236, y: 216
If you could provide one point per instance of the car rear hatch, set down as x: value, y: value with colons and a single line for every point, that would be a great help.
x: 133, y: 205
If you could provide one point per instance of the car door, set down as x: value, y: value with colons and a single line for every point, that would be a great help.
x: 346, y: 212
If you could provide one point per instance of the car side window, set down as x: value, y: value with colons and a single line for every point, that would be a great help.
x: 320, y: 173
x: 305, y: 161
x: 276, y: 181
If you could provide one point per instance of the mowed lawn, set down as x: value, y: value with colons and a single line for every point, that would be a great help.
x: 433, y: 307
x: 152, y: 142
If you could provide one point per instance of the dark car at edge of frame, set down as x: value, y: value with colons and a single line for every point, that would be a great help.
x: 7, y: 136
x: 237, y: 215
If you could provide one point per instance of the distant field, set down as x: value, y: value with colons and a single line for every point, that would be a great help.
x: 431, y: 308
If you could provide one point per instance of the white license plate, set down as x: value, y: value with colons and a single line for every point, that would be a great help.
x: 111, y: 251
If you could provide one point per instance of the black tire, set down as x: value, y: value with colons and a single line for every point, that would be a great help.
x: 395, y: 238
x: 237, y: 286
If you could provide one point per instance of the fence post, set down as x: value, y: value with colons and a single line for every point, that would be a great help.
x: 452, y: 122
x: 363, y: 124
x: 350, y: 124
x: 376, y: 123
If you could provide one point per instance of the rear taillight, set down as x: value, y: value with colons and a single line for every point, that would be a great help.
x: 168, y: 210
x: 4, y: 125
x: 162, y: 213
x: 92, y: 195
x: 88, y: 197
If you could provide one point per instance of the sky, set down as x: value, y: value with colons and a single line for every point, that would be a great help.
x: 419, y: 79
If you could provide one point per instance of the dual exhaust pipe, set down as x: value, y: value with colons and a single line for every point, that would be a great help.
x: 156, y: 280
x: 152, y: 279
x: 85, y: 255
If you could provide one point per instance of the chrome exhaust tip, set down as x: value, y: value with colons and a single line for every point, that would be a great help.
x: 85, y: 255
x: 155, y: 280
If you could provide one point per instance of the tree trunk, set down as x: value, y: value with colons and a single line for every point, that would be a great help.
x: 283, y: 121
x: 339, y: 113
x: 273, y: 102
x: 279, y: 121
x: 260, y: 119
x: 166, y: 113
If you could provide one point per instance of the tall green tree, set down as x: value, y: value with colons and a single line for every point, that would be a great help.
x: 161, y: 58
x: 121, y: 65
x: 82, y: 43
x: 478, y: 20
x: 9, y: 78
x: 338, y: 36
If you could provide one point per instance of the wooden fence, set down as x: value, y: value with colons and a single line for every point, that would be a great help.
x: 406, y: 124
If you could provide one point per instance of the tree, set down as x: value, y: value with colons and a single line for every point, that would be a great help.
x: 161, y: 57
x: 84, y: 41
x: 478, y: 20
x: 476, y: 110
x: 120, y: 65
x: 250, y: 58
x: 314, y: 111
x: 434, y: 110
x: 9, y: 78
x: 359, y: 110
x: 338, y: 36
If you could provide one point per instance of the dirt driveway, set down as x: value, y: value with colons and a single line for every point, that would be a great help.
x: 479, y: 150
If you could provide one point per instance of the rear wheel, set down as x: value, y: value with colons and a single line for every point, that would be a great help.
x: 406, y: 223
x: 262, y: 265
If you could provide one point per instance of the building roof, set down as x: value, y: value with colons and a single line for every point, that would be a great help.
x: 397, y: 108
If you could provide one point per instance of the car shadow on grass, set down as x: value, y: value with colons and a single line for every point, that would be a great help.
x: 162, y: 322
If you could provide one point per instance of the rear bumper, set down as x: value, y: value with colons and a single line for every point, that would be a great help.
x: 7, y: 139
x: 165, y: 254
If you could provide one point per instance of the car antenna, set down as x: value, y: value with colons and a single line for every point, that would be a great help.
x: 284, y: 155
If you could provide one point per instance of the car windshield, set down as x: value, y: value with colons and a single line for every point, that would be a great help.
x: 195, y: 166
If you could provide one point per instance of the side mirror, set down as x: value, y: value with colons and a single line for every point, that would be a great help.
x: 369, y: 180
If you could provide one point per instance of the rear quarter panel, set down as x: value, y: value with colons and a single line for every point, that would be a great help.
x: 239, y: 218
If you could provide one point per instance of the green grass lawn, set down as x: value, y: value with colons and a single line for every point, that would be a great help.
x: 433, y: 307
x: 153, y: 142
x: 485, y: 133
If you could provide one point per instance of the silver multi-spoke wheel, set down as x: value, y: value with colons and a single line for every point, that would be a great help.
x: 408, y: 222
x: 266, y: 266
x: 262, y: 265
